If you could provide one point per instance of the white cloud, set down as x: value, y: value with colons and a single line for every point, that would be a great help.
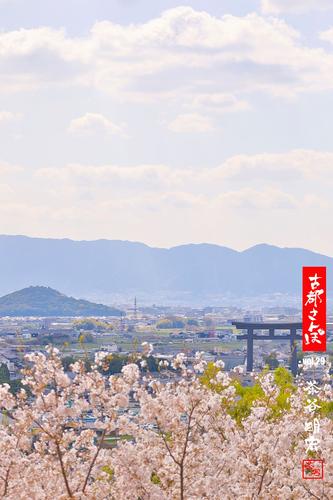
x: 40, y: 57
x: 181, y: 53
x: 9, y: 116
x: 191, y: 122
x: 99, y: 182
x: 267, y: 199
x: 327, y: 35
x: 293, y: 166
x: 25, y: 42
x: 94, y: 123
x: 173, y: 52
x: 7, y: 168
x: 104, y: 173
x: 6, y: 192
x: 218, y: 103
x: 294, y: 6
x: 279, y: 193
x: 293, y: 170
x: 158, y: 201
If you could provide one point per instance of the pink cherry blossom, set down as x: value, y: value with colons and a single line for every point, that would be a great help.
x: 60, y: 436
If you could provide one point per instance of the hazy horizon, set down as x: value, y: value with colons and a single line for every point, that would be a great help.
x: 163, y: 247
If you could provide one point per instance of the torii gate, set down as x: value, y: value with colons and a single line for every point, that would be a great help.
x: 271, y: 327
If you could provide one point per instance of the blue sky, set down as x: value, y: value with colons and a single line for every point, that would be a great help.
x: 168, y: 122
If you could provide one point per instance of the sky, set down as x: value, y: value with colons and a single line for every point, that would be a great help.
x: 168, y: 122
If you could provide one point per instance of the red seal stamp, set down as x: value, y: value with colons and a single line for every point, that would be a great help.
x: 312, y: 469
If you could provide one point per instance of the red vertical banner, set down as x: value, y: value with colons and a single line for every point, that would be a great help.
x: 314, y: 309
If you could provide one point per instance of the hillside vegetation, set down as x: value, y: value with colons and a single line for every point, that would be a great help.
x: 44, y: 301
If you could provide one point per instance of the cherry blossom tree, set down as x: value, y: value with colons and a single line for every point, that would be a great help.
x: 198, y: 433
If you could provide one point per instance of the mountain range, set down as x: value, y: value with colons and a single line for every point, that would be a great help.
x: 44, y: 301
x: 103, y: 267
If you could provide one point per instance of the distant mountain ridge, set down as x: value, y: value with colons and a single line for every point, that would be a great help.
x: 96, y: 268
x: 44, y: 301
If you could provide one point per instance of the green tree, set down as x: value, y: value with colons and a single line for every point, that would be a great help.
x: 88, y: 338
x: 152, y: 364
x: 16, y: 386
x: 247, y: 396
x: 4, y: 374
x: 271, y: 361
x: 115, y: 364
x: 171, y: 322
x: 92, y: 324
x: 67, y: 361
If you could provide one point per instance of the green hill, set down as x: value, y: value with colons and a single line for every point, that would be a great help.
x: 44, y: 301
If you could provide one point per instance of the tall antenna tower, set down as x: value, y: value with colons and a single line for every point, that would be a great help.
x: 135, y: 309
